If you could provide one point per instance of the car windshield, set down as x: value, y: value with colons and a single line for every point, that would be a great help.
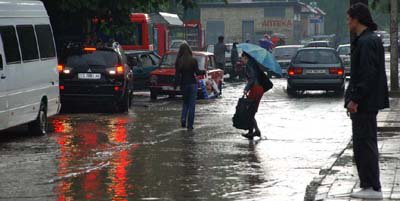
x: 97, y: 58
x: 344, y: 50
x: 316, y: 57
x: 168, y: 61
x: 285, y: 52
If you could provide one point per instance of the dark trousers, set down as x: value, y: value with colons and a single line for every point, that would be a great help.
x: 365, y: 147
x: 189, y: 104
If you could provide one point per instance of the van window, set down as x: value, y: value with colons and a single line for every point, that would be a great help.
x: 27, y: 41
x: 45, y: 41
x: 10, y: 44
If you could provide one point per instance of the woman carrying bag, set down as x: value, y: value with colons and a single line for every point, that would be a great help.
x: 187, y: 68
x: 257, y: 85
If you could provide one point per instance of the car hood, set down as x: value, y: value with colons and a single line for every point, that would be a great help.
x: 164, y: 71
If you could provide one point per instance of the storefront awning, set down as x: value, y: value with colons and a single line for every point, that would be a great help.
x: 167, y: 18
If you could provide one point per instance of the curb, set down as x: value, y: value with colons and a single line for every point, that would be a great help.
x: 312, y: 188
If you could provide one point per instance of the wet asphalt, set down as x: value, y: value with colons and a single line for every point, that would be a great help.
x: 92, y: 154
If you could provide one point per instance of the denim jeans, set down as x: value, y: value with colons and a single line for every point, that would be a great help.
x: 189, y: 104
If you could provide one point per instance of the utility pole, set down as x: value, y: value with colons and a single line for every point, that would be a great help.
x: 394, y: 51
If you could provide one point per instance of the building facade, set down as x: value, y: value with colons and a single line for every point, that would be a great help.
x: 249, y: 21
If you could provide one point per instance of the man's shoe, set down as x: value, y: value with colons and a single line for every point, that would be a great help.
x: 190, y: 129
x: 249, y: 136
x: 257, y: 134
x: 183, y: 124
x: 368, y: 193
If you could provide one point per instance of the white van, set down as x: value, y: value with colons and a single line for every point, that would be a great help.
x: 29, y: 83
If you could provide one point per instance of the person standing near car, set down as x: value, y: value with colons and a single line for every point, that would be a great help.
x: 253, y: 90
x: 219, y: 53
x: 367, y: 93
x: 187, y: 68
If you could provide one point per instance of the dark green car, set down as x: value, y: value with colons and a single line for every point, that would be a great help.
x: 142, y: 63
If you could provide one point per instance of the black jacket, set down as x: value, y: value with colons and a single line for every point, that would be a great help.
x: 187, y: 75
x: 368, y: 83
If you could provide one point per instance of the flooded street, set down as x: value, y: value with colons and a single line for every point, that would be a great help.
x: 145, y: 155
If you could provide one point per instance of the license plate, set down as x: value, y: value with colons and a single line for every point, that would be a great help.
x: 167, y: 88
x: 89, y: 76
x: 316, y: 71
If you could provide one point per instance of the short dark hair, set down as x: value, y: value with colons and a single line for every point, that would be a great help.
x: 221, y: 38
x: 361, y: 12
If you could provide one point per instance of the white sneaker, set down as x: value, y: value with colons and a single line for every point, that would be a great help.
x: 368, y: 193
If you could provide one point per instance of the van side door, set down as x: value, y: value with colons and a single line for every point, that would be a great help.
x: 3, y: 90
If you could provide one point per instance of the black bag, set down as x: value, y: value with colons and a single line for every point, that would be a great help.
x: 244, y: 115
x: 265, y: 81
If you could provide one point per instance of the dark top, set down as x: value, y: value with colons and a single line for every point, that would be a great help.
x: 368, y: 84
x: 219, y: 52
x: 187, y: 75
x: 234, y: 56
x: 252, y: 74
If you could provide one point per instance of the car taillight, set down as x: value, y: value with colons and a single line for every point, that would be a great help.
x: 336, y: 71
x: 295, y: 71
x: 117, y: 88
x: 62, y: 87
x: 119, y: 70
x: 64, y: 69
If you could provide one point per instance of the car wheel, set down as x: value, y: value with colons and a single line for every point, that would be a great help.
x: 39, y: 126
x: 291, y: 92
x: 153, y: 94
x: 123, y: 105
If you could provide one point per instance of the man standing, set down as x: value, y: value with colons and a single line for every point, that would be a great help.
x: 219, y: 53
x: 367, y: 93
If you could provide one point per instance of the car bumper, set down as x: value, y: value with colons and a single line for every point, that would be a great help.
x: 316, y: 84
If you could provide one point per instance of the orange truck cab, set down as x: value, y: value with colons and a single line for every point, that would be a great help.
x: 162, y: 80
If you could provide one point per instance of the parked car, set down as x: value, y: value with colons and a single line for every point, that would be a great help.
x: 319, y: 44
x: 316, y: 69
x: 344, y: 52
x: 229, y: 69
x: 162, y: 80
x: 29, y: 81
x: 284, y: 54
x: 176, y: 44
x: 142, y: 63
x: 99, y: 75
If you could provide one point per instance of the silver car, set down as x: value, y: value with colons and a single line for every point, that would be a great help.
x: 344, y: 52
x: 316, y: 69
x: 284, y: 54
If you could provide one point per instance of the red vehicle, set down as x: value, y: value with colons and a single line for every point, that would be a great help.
x: 142, y: 37
x: 162, y: 80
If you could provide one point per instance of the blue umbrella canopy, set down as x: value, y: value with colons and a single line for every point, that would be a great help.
x: 262, y: 56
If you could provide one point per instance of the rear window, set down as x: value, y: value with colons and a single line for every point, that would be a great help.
x: 168, y: 61
x: 344, y: 50
x: 284, y: 52
x: 45, y: 41
x: 316, y: 57
x: 318, y: 44
x: 97, y: 58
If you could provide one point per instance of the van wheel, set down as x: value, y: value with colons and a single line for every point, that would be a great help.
x: 39, y: 126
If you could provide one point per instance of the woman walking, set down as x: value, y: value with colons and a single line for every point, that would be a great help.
x: 253, y: 90
x: 187, y: 68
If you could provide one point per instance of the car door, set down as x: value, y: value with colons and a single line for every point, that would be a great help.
x: 3, y: 90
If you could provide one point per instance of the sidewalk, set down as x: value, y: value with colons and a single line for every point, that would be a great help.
x: 340, y: 179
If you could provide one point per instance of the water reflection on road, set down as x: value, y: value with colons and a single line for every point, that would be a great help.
x: 146, y: 156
